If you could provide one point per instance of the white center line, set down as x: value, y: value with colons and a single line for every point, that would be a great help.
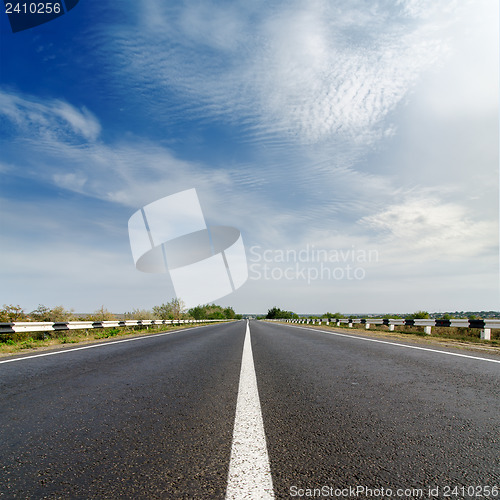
x: 249, y: 470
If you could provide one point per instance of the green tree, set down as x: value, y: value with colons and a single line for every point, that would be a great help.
x: 198, y: 312
x: 274, y: 313
x: 212, y: 311
x: 277, y: 313
x: 419, y: 315
x: 229, y: 313
x: 216, y: 314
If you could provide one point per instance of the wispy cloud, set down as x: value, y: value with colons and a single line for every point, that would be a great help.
x: 309, y: 96
x: 138, y: 171
x: 298, y: 72
x: 82, y: 121
x: 135, y: 171
x: 319, y: 78
x: 53, y: 117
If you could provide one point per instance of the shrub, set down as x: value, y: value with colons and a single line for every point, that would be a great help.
x: 211, y: 311
x: 10, y: 313
x: 102, y: 314
x: 140, y: 314
x: 419, y: 315
x: 56, y: 314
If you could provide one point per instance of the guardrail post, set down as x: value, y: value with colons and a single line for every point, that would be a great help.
x: 486, y: 334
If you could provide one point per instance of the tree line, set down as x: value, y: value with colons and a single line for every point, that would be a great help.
x: 174, y: 309
x: 277, y: 313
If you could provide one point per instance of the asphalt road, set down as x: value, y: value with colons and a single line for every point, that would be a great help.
x: 154, y: 418
x: 151, y: 418
x: 342, y: 412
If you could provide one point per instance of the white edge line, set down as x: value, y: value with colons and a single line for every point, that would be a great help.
x: 103, y: 344
x: 393, y: 343
x: 249, y: 473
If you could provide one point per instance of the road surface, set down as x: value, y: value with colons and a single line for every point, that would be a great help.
x: 340, y: 417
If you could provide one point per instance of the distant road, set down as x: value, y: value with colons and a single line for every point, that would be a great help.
x: 154, y: 418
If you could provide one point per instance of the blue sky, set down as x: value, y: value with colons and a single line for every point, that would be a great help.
x: 346, y: 125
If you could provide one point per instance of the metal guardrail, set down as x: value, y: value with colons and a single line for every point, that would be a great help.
x: 485, y: 325
x: 39, y: 326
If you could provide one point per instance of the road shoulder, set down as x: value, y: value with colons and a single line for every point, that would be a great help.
x: 407, y: 338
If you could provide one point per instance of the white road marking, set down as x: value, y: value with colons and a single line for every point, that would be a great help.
x: 399, y: 345
x: 104, y: 344
x: 249, y: 470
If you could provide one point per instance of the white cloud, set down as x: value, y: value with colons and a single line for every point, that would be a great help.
x: 314, y: 86
x: 327, y: 72
x: 215, y: 26
x: 428, y: 229
x: 327, y: 197
x: 81, y: 121
x: 302, y: 72
x: 53, y: 117
x: 72, y: 181
x: 466, y: 83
